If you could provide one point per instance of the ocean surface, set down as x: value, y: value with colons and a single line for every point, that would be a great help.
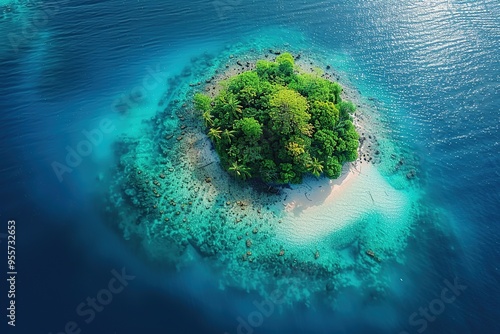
x: 431, y: 69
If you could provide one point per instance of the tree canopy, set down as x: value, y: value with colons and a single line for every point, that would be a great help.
x: 277, y: 124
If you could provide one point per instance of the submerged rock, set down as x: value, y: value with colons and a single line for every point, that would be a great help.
x: 372, y: 254
x: 316, y: 255
x: 411, y: 174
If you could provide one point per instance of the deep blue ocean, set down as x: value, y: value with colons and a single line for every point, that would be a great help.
x: 433, y: 65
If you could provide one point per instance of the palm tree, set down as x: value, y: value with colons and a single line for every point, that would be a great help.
x: 228, y: 135
x: 214, y: 134
x: 208, y: 118
x: 233, y: 106
x: 315, y: 167
x: 241, y: 171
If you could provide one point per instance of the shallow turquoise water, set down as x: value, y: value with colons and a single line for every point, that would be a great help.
x: 429, y: 70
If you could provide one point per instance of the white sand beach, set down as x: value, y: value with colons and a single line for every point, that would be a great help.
x: 315, y: 192
x: 319, y: 207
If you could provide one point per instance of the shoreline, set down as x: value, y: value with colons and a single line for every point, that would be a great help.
x: 303, y: 203
x: 322, y: 191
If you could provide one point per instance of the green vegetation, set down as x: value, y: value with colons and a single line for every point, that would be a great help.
x: 277, y: 124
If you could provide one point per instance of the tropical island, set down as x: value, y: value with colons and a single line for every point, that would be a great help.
x: 179, y: 195
x: 277, y: 123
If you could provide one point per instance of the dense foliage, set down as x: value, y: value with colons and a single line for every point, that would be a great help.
x: 277, y: 124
